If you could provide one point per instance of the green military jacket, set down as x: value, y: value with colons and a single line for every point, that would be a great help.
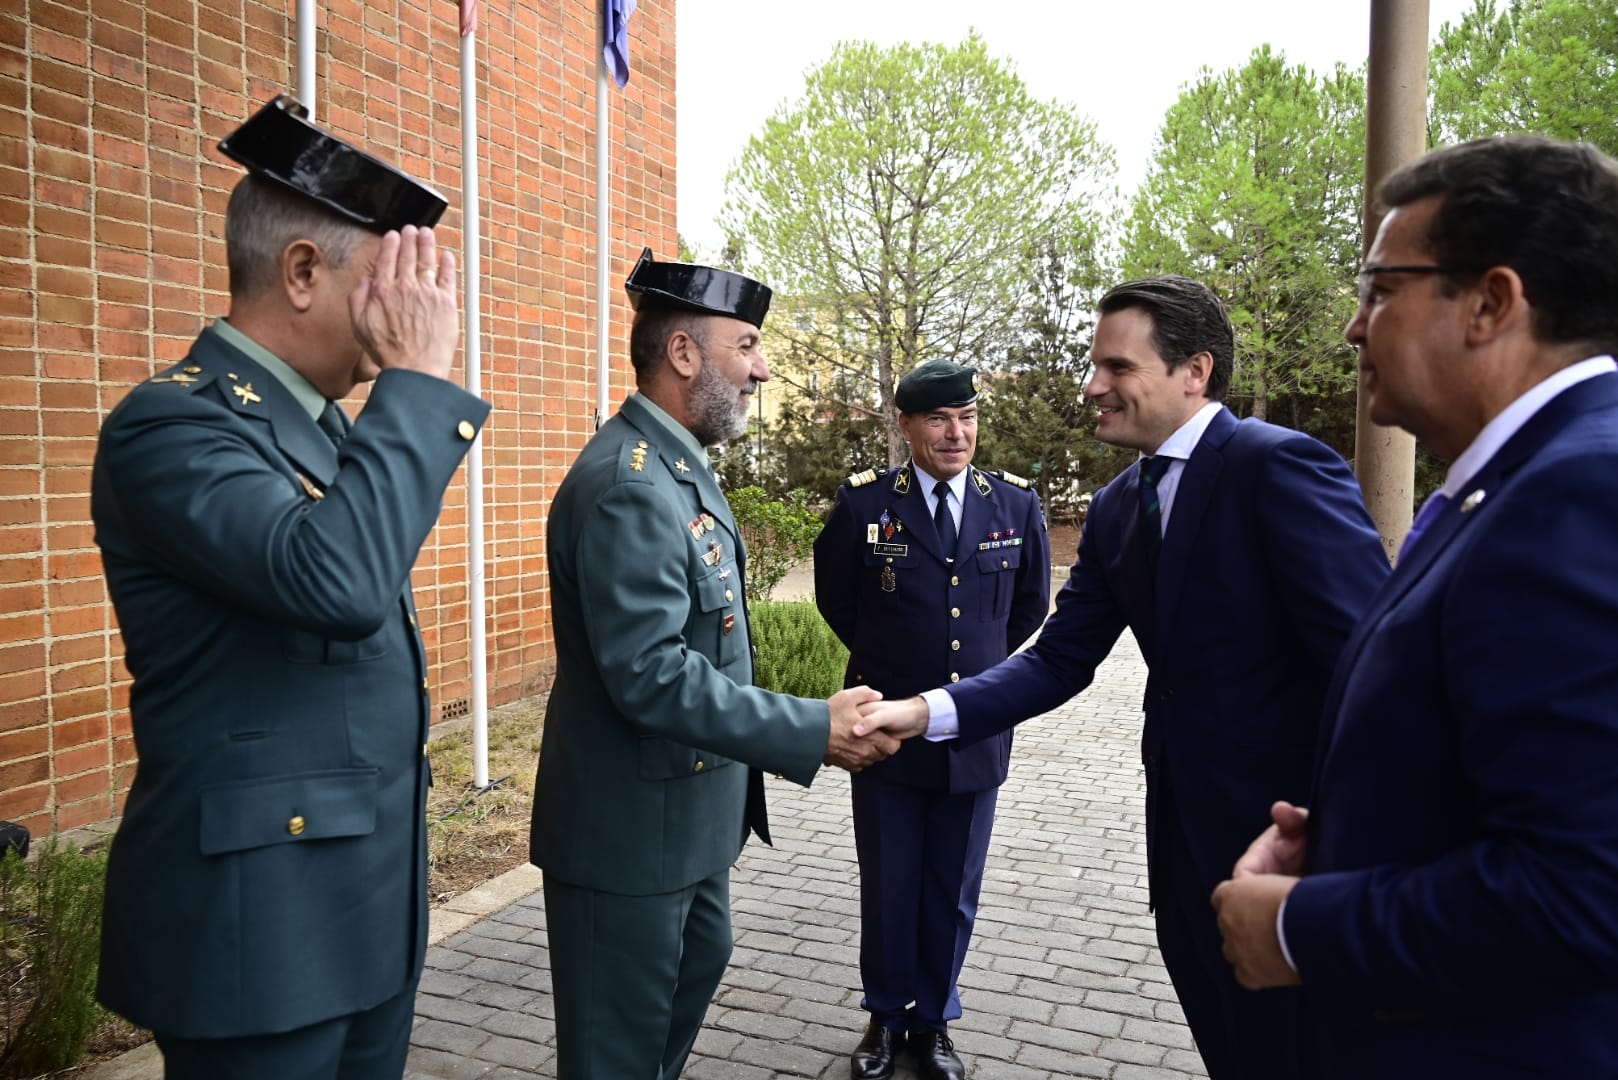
x: 654, y: 736
x: 270, y: 869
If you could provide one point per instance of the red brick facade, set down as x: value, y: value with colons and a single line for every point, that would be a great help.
x: 112, y: 258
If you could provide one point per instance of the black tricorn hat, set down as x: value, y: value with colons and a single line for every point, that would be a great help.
x: 280, y: 144
x: 689, y: 287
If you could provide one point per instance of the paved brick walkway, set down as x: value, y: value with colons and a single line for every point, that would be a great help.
x: 1063, y: 978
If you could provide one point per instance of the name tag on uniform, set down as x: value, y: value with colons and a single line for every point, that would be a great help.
x: 891, y: 549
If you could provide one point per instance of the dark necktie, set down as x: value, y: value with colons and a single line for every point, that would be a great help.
x: 1424, y: 517
x: 1151, y: 510
x: 332, y: 424
x: 943, y: 520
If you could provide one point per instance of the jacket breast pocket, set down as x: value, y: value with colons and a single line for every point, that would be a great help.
x: 888, y: 578
x: 997, y: 580
x: 246, y: 814
x: 721, y: 626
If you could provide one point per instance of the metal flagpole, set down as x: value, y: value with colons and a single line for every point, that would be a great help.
x: 603, y: 213
x: 472, y: 267
x: 306, y: 55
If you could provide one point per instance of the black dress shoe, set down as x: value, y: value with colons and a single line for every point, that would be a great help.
x: 935, y: 1056
x: 873, y: 1057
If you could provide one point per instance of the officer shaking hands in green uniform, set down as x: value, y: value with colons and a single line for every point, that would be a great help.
x: 266, y: 903
x: 649, y: 769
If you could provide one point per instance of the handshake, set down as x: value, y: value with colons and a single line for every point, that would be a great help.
x: 865, y: 729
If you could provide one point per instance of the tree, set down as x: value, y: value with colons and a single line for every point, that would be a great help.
x: 893, y: 203
x: 1546, y: 66
x: 1035, y: 420
x: 1255, y: 188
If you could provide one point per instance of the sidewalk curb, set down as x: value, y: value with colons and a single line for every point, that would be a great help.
x: 146, y: 1063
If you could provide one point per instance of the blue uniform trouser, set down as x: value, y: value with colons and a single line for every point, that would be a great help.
x: 921, y: 855
x: 369, y: 1045
x: 632, y: 976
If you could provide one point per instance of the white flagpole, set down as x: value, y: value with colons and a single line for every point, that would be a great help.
x: 603, y: 213
x: 472, y: 266
x: 306, y: 55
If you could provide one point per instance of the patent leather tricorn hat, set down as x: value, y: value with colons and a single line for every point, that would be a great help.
x: 280, y: 144
x: 689, y: 287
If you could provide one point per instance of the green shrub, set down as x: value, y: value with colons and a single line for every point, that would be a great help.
x: 797, y: 652
x: 779, y: 534
x: 50, y: 940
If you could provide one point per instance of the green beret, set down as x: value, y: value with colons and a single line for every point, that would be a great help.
x: 935, y: 385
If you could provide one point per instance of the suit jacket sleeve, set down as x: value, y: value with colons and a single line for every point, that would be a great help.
x: 1321, y: 546
x: 198, y: 497
x: 836, y: 556
x: 637, y: 599
x: 1074, y: 640
x: 1521, y: 900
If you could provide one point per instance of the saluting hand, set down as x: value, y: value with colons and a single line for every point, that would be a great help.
x: 406, y: 313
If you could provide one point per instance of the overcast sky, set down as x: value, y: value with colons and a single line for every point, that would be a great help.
x: 1122, y: 62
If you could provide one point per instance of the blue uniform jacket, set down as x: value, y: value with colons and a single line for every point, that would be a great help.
x: 913, y: 621
x: 270, y: 869
x: 1458, y: 913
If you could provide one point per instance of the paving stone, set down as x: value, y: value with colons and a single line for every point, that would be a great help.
x: 1063, y: 979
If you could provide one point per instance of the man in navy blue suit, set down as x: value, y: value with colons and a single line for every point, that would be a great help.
x: 928, y: 572
x: 1459, y: 860
x: 1240, y: 554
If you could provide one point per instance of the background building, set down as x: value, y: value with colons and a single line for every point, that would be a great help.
x: 112, y: 257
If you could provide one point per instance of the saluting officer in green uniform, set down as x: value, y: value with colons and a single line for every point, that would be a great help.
x: 266, y: 904
x: 649, y: 770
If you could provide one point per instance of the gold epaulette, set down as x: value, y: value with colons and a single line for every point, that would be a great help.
x: 1010, y: 478
x: 861, y: 478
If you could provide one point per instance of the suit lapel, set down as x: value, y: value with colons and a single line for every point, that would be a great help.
x: 977, y: 511
x: 1470, y: 505
x: 1198, y: 479
x: 911, y: 507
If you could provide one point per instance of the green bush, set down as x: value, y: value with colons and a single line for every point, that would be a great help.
x: 50, y: 940
x: 797, y: 652
x: 779, y: 534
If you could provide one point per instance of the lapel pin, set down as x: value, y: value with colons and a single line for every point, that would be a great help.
x: 682, y: 466
x: 245, y: 392
x: 1473, y: 501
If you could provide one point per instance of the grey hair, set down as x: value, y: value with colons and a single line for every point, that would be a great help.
x: 263, y: 218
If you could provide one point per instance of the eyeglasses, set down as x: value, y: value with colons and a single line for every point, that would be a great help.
x: 1366, y: 273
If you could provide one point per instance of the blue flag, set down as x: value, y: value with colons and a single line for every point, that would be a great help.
x: 616, y: 52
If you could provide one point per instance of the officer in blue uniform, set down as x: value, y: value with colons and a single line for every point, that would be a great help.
x: 266, y: 901
x: 928, y: 572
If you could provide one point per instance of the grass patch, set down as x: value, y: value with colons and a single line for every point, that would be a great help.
x: 473, y: 836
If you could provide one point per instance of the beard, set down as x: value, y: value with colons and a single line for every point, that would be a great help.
x: 717, y: 411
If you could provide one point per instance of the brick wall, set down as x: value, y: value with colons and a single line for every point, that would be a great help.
x: 112, y: 258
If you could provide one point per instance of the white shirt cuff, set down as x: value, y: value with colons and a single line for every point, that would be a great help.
x: 1281, y: 935
x: 943, y: 722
